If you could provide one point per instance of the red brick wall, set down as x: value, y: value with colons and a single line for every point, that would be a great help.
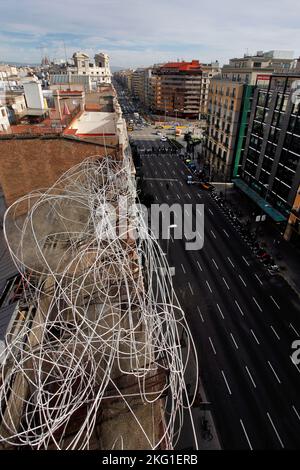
x: 30, y: 164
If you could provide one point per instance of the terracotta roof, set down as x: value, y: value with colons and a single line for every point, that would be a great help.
x: 194, y: 64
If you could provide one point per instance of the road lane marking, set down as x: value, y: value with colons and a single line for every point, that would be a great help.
x: 199, y: 266
x: 293, y: 328
x: 294, y: 364
x: 230, y: 261
x: 251, y: 378
x: 276, y: 432
x: 182, y: 267
x: 258, y: 279
x: 212, y: 345
x: 178, y: 196
x: 245, y: 261
x: 213, y: 234
x: 234, y: 341
x: 199, y: 311
x: 181, y: 183
x: 199, y: 212
x: 275, y: 332
x: 253, y: 334
x: 199, y: 235
x: 238, y: 306
x: 209, y: 286
x: 257, y: 303
x: 275, y: 302
x: 242, y: 280
x: 272, y: 368
x: 225, y: 233
x: 225, y: 380
x: 192, y: 292
x: 199, y: 195
x: 187, y: 212
x: 246, y: 435
x: 225, y: 283
x: 211, y: 211
x: 219, y: 308
x: 188, y: 195
x: 215, y: 263
x: 297, y: 414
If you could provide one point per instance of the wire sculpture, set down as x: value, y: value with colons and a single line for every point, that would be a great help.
x: 102, y: 323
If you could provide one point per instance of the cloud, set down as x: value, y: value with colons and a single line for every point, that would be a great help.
x: 139, y: 32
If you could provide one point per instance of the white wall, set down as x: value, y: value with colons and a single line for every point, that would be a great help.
x: 34, y: 95
x: 4, y: 122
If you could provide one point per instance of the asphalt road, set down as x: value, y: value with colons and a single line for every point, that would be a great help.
x: 243, y: 321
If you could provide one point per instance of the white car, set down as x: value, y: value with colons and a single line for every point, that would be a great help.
x: 163, y: 139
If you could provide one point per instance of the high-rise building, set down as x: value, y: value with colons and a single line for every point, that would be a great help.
x: 208, y: 72
x: 270, y: 166
x: 246, y: 69
x: 178, y: 89
x: 225, y: 100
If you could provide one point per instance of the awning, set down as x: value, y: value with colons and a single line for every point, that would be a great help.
x: 260, y: 201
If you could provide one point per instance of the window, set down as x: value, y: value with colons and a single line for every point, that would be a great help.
x: 259, y: 114
x: 262, y: 99
x: 295, y: 144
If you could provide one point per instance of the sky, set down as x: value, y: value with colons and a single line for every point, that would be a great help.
x: 140, y: 33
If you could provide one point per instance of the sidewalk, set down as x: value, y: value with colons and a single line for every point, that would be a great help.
x: 287, y: 256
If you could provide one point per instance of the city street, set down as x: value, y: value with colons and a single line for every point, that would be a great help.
x: 243, y: 320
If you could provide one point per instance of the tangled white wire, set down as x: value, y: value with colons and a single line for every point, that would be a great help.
x: 102, y: 324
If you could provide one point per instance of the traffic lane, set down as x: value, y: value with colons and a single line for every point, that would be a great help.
x: 224, y: 360
x: 226, y: 227
x: 279, y: 352
x: 179, y: 263
x: 250, y: 360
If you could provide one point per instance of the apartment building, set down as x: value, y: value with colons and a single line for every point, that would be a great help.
x: 53, y: 140
x: 125, y: 78
x: 178, y: 89
x: 246, y: 69
x: 208, y: 72
x: 98, y: 69
x: 270, y: 169
x: 224, y: 109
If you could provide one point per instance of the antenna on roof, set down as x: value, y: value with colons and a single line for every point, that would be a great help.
x: 67, y: 64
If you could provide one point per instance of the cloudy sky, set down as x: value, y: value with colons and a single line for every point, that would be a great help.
x: 142, y: 32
